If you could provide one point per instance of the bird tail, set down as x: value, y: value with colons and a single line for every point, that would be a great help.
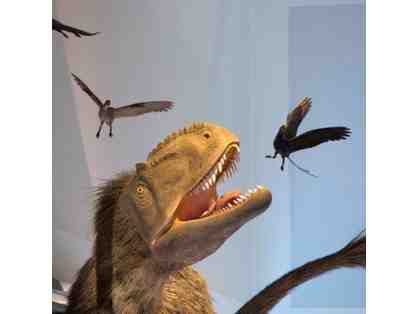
x: 301, y: 169
x: 351, y: 255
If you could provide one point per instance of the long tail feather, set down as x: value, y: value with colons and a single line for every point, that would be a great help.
x: 351, y: 255
x: 302, y: 169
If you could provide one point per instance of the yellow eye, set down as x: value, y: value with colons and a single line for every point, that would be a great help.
x: 140, y: 190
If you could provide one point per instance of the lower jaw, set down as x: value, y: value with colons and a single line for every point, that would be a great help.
x: 228, y: 202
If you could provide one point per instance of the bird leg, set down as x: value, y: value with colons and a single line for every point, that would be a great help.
x: 100, y: 129
x: 110, y: 130
x: 282, y: 165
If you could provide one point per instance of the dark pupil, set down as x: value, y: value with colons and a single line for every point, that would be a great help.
x: 206, y: 135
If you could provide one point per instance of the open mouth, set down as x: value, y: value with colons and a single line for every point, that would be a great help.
x: 203, y: 200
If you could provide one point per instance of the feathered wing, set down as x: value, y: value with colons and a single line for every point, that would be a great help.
x: 318, y: 136
x: 61, y: 28
x: 295, y: 117
x: 87, y: 90
x: 352, y: 255
x: 141, y: 108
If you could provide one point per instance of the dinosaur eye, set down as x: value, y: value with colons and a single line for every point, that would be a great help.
x: 140, y: 190
x: 206, y: 135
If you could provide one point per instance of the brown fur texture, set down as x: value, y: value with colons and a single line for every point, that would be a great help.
x: 121, y: 276
x: 351, y: 255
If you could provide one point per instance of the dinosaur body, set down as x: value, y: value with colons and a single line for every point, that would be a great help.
x: 153, y: 223
x: 125, y: 278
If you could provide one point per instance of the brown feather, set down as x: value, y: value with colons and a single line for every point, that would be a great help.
x: 142, y: 108
x: 295, y: 117
x: 87, y: 90
x: 351, y: 255
x: 318, y: 136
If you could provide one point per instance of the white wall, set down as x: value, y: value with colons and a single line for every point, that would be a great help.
x: 71, y: 179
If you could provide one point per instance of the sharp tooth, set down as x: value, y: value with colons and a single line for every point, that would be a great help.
x: 214, y: 177
x: 235, y: 202
x: 207, y: 185
x: 242, y: 197
x: 230, y: 206
x: 204, y: 213
x: 219, y: 167
x: 238, y: 149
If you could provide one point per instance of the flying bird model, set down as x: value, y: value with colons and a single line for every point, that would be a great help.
x: 62, y: 28
x: 108, y: 114
x: 286, y: 142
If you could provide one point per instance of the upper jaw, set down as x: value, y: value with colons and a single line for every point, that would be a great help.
x: 221, y: 168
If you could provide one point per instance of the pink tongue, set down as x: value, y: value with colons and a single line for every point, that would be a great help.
x: 194, y: 205
x: 226, y: 198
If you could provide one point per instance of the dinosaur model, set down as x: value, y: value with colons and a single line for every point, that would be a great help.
x: 153, y: 223
x: 108, y: 114
x: 286, y: 142
x: 62, y: 28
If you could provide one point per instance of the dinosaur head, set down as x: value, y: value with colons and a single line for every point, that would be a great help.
x: 173, y: 198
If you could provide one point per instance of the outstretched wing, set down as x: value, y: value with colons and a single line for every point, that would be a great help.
x: 141, y: 108
x: 318, y: 136
x: 62, y: 28
x: 295, y: 117
x: 87, y: 90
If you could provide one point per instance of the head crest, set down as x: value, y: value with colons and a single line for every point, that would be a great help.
x: 172, y: 136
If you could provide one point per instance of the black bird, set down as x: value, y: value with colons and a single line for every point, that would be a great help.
x: 286, y: 142
x: 62, y: 28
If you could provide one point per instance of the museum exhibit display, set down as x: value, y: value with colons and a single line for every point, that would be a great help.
x: 183, y: 212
